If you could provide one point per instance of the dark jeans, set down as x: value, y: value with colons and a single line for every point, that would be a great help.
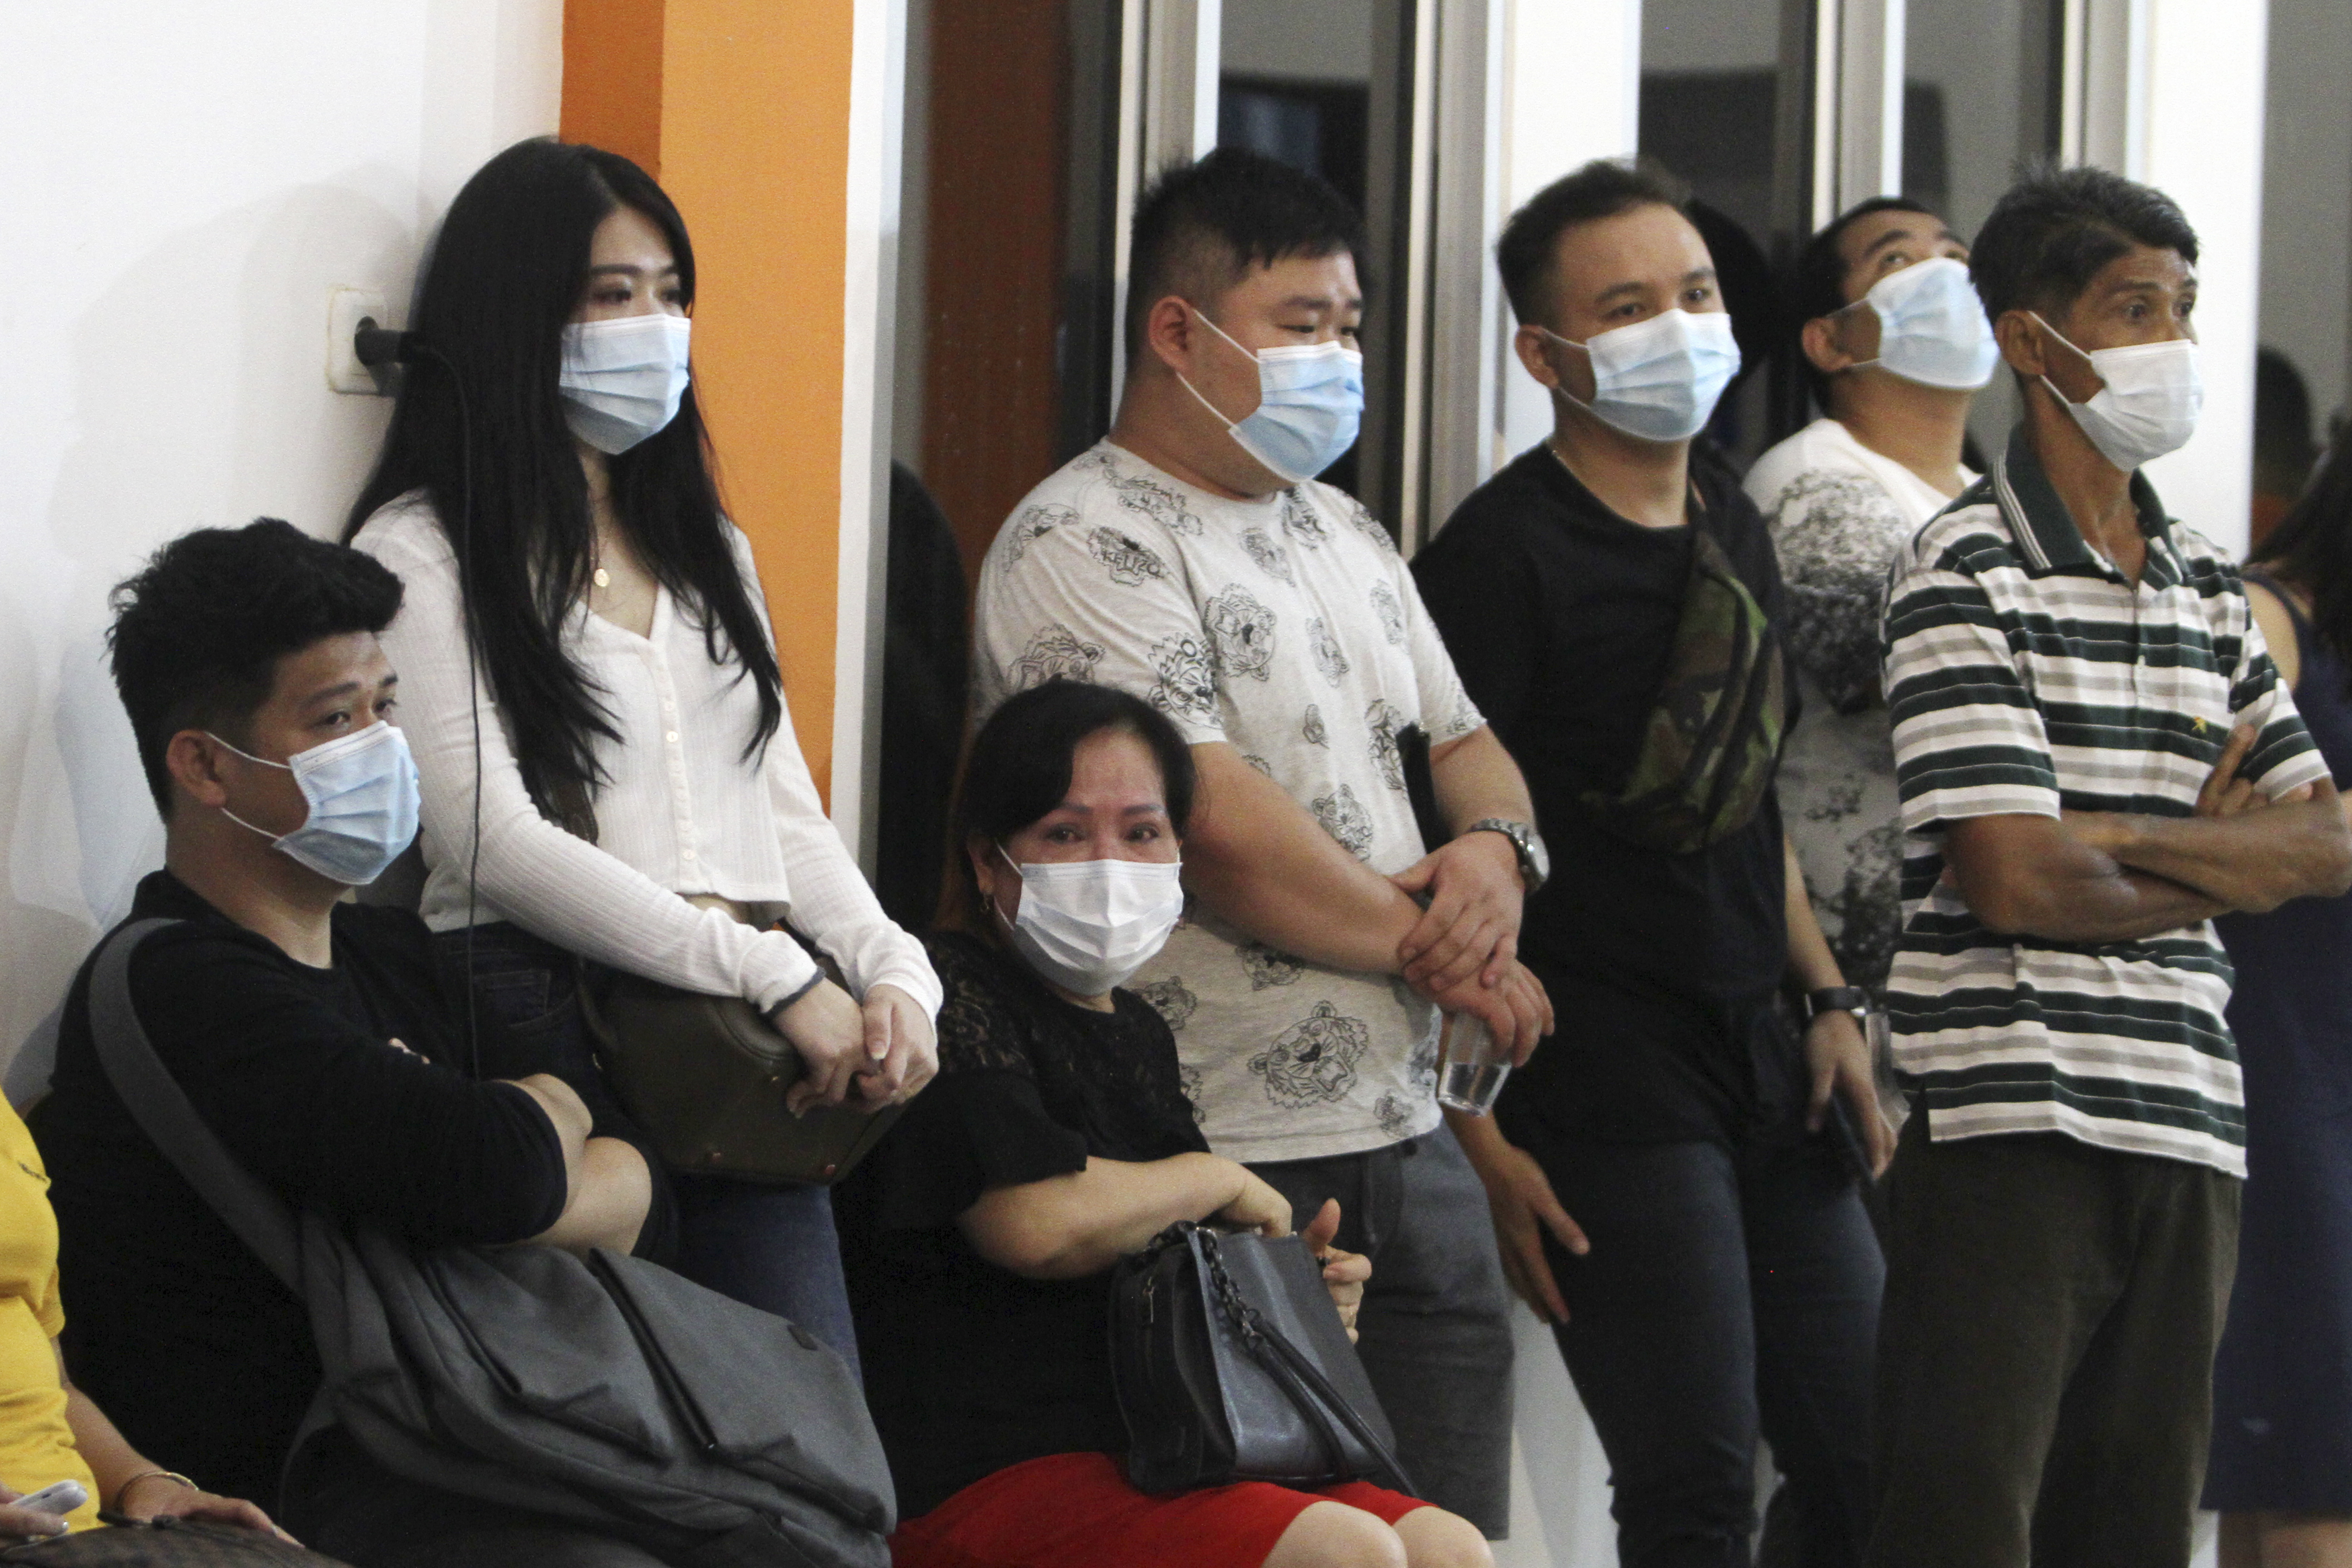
x: 768, y: 1245
x: 1433, y: 1334
x: 2044, y: 1386
x: 1726, y: 1293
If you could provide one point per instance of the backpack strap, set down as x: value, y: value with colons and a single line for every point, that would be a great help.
x: 157, y: 1102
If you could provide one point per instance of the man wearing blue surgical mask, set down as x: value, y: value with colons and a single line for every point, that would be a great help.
x: 1895, y: 346
x: 313, y: 1037
x: 1193, y: 559
x: 1673, y: 1181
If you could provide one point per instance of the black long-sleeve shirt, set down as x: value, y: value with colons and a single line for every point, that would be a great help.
x: 173, y: 1326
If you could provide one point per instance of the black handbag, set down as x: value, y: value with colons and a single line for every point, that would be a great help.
x: 1230, y: 1364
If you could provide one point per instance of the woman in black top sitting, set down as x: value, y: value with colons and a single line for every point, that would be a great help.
x: 1057, y: 1138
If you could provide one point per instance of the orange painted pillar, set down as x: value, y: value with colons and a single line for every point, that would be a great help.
x: 740, y: 109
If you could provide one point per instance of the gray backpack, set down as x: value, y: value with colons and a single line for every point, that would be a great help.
x: 610, y: 1394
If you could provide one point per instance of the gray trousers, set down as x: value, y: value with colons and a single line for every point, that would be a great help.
x: 1435, y: 1332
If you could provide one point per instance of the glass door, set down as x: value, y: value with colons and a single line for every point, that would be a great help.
x: 1328, y: 85
x: 1727, y: 103
x: 1981, y: 98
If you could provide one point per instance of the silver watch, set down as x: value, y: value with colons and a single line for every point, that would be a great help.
x: 1535, y: 860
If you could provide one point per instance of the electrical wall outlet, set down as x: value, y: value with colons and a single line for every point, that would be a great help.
x: 346, y: 309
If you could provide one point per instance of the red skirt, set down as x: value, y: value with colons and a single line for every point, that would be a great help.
x: 1077, y: 1510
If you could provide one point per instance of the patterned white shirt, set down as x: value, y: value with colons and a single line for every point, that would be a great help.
x: 1288, y: 626
x: 1839, y: 514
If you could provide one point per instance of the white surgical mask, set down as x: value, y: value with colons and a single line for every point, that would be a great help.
x: 622, y: 378
x: 1932, y: 327
x: 1310, y: 405
x: 2148, y: 405
x: 1658, y: 380
x: 1087, y: 925
x: 362, y: 791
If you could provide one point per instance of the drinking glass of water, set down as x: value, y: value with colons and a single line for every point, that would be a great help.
x: 1475, y: 1065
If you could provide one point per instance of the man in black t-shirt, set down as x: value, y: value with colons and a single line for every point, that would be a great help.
x: 1609, y: 599
x: 308, y: 1031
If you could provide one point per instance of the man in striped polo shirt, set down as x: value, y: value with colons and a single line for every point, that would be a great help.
x: 2095, y: 756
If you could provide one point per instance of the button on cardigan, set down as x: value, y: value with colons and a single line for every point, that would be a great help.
x: 681, y: 811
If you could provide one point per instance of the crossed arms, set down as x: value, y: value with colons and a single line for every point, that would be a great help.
x: 2116, y: 876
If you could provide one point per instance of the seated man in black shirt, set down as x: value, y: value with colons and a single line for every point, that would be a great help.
x: 310, y: 1034
x: 1611, y: 601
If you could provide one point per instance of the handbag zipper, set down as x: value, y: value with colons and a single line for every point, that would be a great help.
x: 681, y: 1399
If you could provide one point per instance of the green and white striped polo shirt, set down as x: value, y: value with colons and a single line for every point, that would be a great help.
x: 2025, y: 675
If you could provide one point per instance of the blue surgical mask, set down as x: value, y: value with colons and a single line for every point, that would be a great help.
x: 622, y: 379
x: 362, y: 791
x: 1932, y: 327
x: 1311, y: 402
x: 1658, y: 379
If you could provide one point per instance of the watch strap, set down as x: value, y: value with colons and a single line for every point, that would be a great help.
x: 1836, y: 999
x: 1518, y: 834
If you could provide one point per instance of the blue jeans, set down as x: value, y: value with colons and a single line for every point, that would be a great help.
x: 770, y: 1246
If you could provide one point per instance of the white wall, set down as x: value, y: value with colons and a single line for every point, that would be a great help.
x: 2204, y: 148
x: 1573, y: 76
x: 187, y: 183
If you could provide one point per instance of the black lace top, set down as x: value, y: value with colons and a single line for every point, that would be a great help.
x: 969, y: 1367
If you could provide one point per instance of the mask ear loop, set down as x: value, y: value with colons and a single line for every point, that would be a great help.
x: 1865, y: 303
x: 2064, y: 401
x: 266, y: 762
x: 1212, y: 409
x: 1560, y: 390
x: 995, y: 908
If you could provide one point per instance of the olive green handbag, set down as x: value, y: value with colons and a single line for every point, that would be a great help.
x: 705, y: 1078
x: 1713, y: 739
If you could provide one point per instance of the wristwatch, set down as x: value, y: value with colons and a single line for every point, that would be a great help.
x: 1535, y: 860
x: 1850, y: 999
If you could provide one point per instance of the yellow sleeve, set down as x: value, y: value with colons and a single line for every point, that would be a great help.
x: 50, y: 1309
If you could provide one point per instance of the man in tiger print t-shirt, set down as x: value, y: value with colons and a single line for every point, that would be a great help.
x: 1272, y: 619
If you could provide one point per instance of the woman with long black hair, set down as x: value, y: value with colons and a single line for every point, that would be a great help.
x: 612, y: 775
x: 2281, y: 1468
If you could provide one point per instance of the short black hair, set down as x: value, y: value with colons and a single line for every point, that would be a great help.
x: 1018, y: 769
x: 2053, y: 230
x: 199, y: 631
x: 1602, y: 188
x: 1201, y: 227
x: 1817, y: 285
